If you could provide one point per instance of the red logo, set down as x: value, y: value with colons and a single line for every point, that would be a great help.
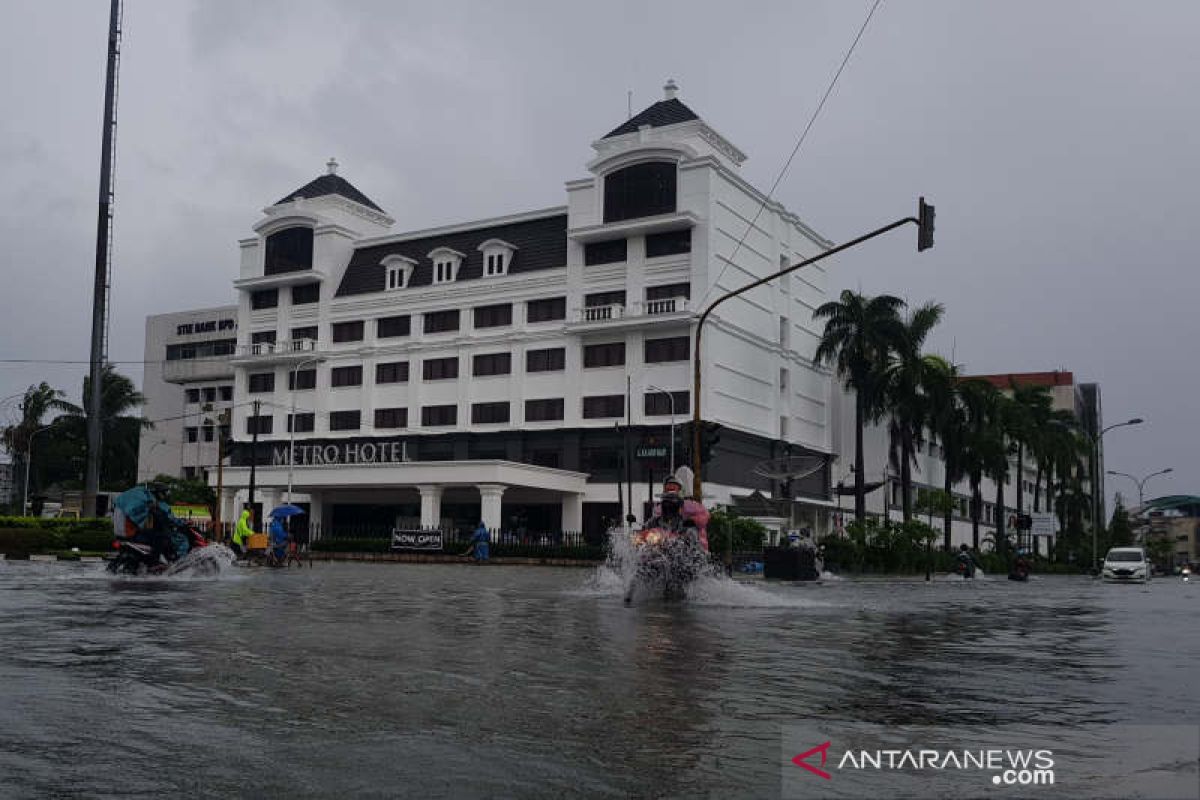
x: 823, y: 749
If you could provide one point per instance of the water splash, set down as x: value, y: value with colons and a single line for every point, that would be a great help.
x: 712, y: 587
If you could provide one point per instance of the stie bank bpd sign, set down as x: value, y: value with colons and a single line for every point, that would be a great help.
x: 347, y: 453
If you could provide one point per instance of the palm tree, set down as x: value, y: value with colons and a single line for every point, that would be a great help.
x: 859, y: 334
x: 120, y: 428
x: 37, y: 402
x: 994, y: 445
x: 952, y: 410
x: 1056, y: 435
x: 1030, y: 408
x: 905, y: 380
x: 976, y: 400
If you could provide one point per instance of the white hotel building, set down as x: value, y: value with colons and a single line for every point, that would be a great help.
x: 479, y: 370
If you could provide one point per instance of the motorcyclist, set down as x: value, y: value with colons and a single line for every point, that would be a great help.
x: 669, y: 517
x: 159, y: 527
x: 965, y: 562
x: 1021, y: 565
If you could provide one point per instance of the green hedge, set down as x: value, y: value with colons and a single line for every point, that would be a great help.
x: 87, y: 535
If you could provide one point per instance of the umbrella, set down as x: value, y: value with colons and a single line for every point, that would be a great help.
x: 285, y: 511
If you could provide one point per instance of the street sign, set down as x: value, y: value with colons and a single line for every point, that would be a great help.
x: 651, y: 451
x: 1044, y: 524
x: 416, y: 540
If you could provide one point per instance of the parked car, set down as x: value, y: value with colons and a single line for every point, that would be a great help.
x: 1126, y: 565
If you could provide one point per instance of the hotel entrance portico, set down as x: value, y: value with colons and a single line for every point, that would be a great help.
x: 415, y: 491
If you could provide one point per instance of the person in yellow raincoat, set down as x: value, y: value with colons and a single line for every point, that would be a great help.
x: 241, y: 531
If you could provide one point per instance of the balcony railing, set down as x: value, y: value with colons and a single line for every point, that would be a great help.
x: 284, y: 348
x: 647, y: 308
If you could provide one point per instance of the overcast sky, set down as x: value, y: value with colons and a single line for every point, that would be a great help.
x: 1058, y: 141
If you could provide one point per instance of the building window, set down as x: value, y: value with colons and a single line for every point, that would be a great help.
x: 393, y: 327
x: 189, y: 473
x: 391, y: 418
x: 783, y: 427
x: 260, y: 382
x: 191, y: 434
x: 288, y: 250
x: 553, y: 359
x: 301, y: 423
x: 610, y: 354
x: 613, y: 251
x: 440, y: 369
x: 597, y: 299
x: 346, y: 376
x: 599, y: 459
x: 307, y: 332
x: 348, y: 331
x: 208, y: 431
x: 392, y: 372
x: 192, y: 395
x: 441, y: 321
x: 262, y: 337
x: 497, y: 255
x: 658, y: 404
x: 671, y: 243
x: 264, y: 298
x: 210, y: 394
x: 226, y: 393
x: 395, y: 278
x: 345, y: 420
x: 544, y: 410
x: 489, y: 413
x: 603, y: 406
x: 675, y: 348
x: 668, y: 292
x: 302, y: 379
x: 785, y: 338
x: 260, y: 425
x: 217, y: 347
x: 305, y: 293
x: 546, y: 310
x: 445, y: 264
x: 433, y: 416
x: 493, y: 316
x: 491, y: 364
x: 639, y: 190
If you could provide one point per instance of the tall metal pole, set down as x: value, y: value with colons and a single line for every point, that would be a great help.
x: 697, y: 478
x: 628, y: 459
x: 292, y: 422
x: 100, y: 285
x: 671, y: 400
x: 254, y: 456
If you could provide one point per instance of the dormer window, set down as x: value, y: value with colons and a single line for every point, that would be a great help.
x: 445, y: 264
x: 497, y: 255
x: 397, y: 272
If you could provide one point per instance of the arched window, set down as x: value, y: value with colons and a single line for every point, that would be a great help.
x: 289, y: 250
x: 639, y: 190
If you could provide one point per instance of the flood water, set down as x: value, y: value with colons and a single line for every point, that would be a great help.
x: 383, y: 680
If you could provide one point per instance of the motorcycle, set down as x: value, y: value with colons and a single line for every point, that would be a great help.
x: 142, y: 558
x: 667, y: 563
x: 965, y: 568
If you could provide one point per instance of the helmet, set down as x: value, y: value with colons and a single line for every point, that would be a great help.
x: 962, y: 548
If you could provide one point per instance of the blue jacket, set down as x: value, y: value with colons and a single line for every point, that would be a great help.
x: 481, y: 535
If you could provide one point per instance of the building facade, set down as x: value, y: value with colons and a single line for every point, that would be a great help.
x: 188, y: 385
x: 486, y: 370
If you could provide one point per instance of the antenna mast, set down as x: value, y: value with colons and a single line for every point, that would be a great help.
x: 103, y: 277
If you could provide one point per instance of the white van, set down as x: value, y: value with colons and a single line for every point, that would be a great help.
x: 1126, y: 565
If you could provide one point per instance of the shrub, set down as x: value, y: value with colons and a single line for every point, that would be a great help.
x: 23, y: 536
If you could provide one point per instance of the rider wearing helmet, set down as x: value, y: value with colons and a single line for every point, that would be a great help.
x: 670, y: 512
x: 965, y: 562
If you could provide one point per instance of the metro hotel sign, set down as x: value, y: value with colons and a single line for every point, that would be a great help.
x: 340, y: 453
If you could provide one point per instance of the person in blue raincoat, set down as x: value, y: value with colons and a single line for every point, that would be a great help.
x: 279, y: 538
x: 480, y: 542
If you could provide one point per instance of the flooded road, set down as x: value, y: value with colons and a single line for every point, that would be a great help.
x: 451, y: 681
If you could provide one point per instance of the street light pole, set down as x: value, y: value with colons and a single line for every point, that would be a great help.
x: 1141, y: 484
x: 292, y: 422
x: 28, y: 466
x: 671, y: 400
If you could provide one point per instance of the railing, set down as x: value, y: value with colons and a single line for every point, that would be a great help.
x: 281, y: 348
x: 457, y: 540
x: 648, y: 308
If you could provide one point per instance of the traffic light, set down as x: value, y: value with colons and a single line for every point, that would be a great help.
x: 710, y: 436
x: 924, y: 225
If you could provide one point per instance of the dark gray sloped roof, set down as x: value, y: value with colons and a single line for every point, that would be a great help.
x: 332, y: 184
x: 541, y: 244
x: 664, y: 112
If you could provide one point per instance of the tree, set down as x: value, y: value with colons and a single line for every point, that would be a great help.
x: 976, y: 397
x: 748, y: 534
x: 37, y: 402
x: 905, y: 379
x: 994, y: 450
x: 190, y: 490
x: 1029, y: 411
x: 859, y: 334
x: 951, y: 405
x: 1120, y: 532
x: 120, y: 429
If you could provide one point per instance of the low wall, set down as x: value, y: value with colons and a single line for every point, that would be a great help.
x: 448, y: 558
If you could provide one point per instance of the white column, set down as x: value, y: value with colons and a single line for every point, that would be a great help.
x: 431, y: 505
x: 572, y: 512
x: 489, y: 506
x: 316, y: 516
